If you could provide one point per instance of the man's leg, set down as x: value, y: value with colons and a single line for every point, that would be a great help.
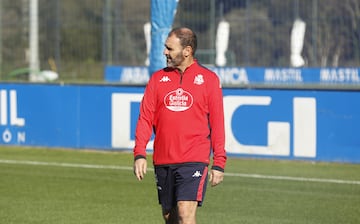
x: 191, y: 188
x: 171, y: 216
x: 187, y: 212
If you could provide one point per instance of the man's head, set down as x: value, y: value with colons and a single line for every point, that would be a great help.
x: 180, y: 47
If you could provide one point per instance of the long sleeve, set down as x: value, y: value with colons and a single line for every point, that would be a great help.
x: 216, y: 119
x: 144, y: 125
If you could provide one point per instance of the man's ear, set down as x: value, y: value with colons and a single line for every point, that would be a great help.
x: 187, y: 51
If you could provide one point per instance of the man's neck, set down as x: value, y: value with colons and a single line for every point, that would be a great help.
x: 189, y: 61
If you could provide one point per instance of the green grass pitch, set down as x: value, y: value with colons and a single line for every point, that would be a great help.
x: 55, y: 186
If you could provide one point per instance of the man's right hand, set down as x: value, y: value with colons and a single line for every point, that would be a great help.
x: 140, y: 166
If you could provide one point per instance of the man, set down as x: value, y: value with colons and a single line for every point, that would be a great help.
x: 183, y: 105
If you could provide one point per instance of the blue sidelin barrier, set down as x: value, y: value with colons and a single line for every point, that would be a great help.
x: 316, y: 125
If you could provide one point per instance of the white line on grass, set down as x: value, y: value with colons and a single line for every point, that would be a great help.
x: 304, y: 179
x: 89, y: 166
x: 257, y: 176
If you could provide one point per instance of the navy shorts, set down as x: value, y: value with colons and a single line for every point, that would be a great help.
x: 185, y: 182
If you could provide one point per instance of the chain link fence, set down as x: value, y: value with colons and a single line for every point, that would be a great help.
x: 78, y: 38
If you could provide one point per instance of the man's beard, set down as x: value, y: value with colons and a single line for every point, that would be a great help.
x: 175, y: 62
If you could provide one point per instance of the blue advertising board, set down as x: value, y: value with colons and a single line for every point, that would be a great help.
x: 249, y: 75
x: 316, y: 125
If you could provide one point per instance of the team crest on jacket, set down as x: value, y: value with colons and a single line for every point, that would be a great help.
x: 199, y: 79
x: 178, y: 100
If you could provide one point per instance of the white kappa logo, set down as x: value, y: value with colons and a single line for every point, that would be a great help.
x: 197, y: 174
x: 165, y: 78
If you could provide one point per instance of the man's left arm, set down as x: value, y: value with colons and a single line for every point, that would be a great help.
x: 216, y: 119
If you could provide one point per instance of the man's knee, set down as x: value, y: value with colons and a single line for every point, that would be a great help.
x: 187, y: 211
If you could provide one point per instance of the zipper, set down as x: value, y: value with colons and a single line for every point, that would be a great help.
x: 181, y: 76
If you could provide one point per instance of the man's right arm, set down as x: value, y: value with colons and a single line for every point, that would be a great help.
x: 144, y: 125
x: 143, y: 131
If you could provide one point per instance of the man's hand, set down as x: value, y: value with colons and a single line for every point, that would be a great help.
x: 216, y: 177
x: 140, y: 166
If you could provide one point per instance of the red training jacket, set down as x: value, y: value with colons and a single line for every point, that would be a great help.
x: 186, y: 113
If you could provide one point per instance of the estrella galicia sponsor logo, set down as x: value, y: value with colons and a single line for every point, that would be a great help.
x: 178, y: 100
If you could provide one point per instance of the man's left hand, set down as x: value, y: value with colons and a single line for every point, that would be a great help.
x: 216, y: 177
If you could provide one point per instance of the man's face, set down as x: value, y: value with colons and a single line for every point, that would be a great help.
x: 173, y: 52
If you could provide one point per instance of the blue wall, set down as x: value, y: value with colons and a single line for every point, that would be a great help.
x: 314, y: 125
